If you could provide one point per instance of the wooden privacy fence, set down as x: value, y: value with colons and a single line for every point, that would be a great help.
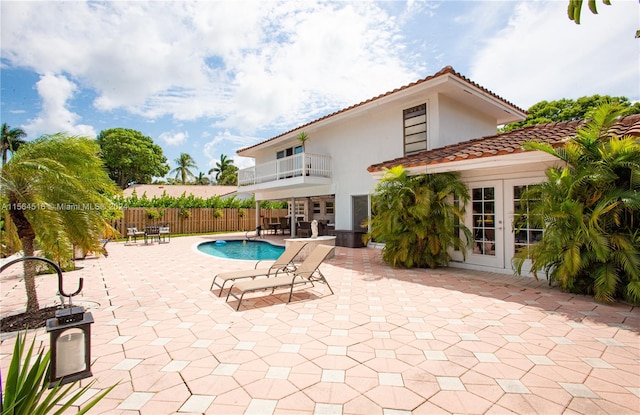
x: 196, y: 220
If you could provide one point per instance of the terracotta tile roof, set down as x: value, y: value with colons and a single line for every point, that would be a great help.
x: 506, y: 143
x: 444, y: 71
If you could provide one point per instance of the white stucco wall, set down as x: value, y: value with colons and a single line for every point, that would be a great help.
x: 457, y: 122
x: 355, y: 144
x: 357, y: 139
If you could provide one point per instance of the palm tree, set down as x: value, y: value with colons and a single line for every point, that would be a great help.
x: 202, y: 179
x: 184, y: 162
x: 417, y: 218
x: 303, y: 138
x: 589, y: 208
x: 229, y: 177
x: 57, y: 188
x: 10, y: 140
x: 221, y: 167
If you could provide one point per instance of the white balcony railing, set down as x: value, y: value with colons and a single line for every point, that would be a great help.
x: 298, y: 165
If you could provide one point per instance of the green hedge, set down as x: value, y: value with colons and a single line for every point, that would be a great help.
x: 190, y: 201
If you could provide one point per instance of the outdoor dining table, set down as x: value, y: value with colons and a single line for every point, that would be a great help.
x: 274, y: 226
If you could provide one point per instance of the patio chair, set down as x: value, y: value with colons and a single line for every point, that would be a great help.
x: 304, y: 230
x: 151, y: 232
x: 133, y: 232
x: 164, y: 231
x: 283, y: 263
x: 307, y: 273
x: 285, y: 225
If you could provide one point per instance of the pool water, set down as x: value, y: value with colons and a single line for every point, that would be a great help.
x: 247, y: 250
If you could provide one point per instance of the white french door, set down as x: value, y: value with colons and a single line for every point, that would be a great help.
x: 486, y: 222
x: 490, y: 217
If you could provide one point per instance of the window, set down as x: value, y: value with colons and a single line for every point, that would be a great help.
x: 316, y: 208
x: 299, y: 211
x: 328, y: 208
x: 484, y: 231
x: 288, y: 152
x: 415, y: 129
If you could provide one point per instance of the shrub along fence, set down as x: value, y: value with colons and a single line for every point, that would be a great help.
x: 196, y: 220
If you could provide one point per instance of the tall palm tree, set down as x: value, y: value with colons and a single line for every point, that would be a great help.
x: 589, y: 208
x: 184, y: 162
x: 10, y: 140
x: 417, y: 219
x: 57, y: 188
x: 221, y: 166
x: 202, y: 179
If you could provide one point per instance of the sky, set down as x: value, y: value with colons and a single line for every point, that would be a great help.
x: 208, y: 78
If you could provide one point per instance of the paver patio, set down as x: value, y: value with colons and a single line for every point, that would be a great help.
x: 389, y: 341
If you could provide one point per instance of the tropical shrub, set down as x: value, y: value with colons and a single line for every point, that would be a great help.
x: 154, y: 213
x: 418, y: 219
x: 589, y: 208
x: 26, y: 385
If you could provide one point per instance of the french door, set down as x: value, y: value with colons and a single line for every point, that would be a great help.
x: 524, y: 234
x: 490, y: 217
x: 486, y: 222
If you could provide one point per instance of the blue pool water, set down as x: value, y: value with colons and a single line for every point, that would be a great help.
x: 248, y: 250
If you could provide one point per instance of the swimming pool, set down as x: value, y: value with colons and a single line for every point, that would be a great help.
x: 247, y: 250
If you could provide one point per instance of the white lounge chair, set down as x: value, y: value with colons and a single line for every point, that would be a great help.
x: 283, y: 263
x: 307, y: 272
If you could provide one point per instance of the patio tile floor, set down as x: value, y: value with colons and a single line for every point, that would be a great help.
x: 389, y: 341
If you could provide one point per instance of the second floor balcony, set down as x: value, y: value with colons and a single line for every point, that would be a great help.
x: 298, y: 169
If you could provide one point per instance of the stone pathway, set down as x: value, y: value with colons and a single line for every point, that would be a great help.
x: 389, y: 341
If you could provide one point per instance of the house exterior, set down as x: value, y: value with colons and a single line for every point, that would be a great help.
x: 444, y: 122
x: 497, y: 169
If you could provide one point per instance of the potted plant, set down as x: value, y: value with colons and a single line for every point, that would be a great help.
x: 303, y: 137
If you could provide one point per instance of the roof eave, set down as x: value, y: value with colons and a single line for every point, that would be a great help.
x: 447, y: 74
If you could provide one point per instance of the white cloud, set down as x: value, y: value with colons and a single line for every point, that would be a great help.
x: 55, y: 92
x: 243, y: 64
x: 174, y: 138
x: 225, y: 139
x: 542, y: 55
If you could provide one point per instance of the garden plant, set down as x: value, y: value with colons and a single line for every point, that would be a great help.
x: 589, y: 208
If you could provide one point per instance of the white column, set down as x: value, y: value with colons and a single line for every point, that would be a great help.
x: 292, y: 222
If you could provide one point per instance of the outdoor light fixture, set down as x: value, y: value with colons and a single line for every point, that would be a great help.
x: 70, y: 335
x: 70, y: 345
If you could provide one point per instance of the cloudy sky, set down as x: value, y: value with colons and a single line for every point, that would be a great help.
x: 207, y: 78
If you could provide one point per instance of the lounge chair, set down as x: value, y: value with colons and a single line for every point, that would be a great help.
x: 283, y: 263
x: 307, y: 272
